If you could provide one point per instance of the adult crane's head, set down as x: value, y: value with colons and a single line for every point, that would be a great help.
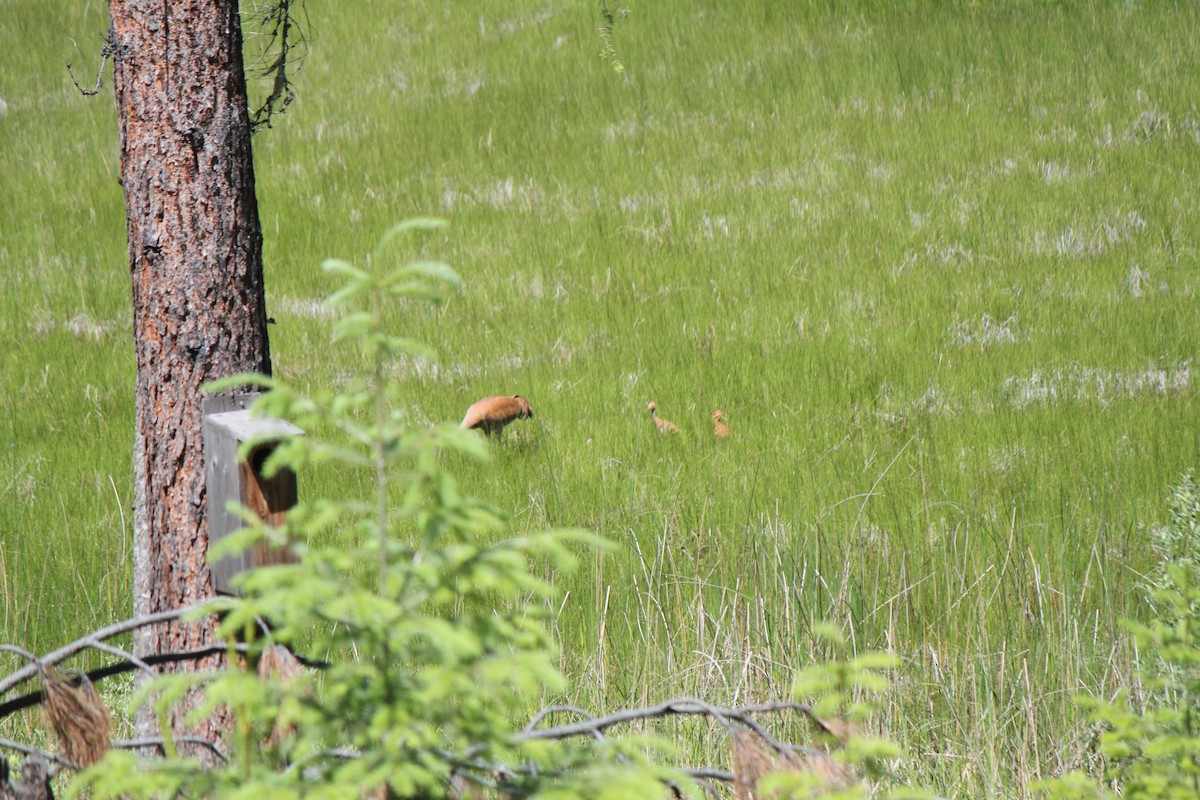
x: 525, y: 411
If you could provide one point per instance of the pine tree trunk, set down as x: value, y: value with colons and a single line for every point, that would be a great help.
x: 195, y: 257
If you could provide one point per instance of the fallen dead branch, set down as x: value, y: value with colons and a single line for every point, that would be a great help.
x: 81, y: 722
x: 94, y: 640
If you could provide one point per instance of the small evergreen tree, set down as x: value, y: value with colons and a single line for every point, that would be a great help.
x: 434, y: 647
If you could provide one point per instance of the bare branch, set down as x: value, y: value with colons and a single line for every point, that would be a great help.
x: 21, y: 651
x: 160, y: 743
x: 9, y: 744
x: 119, y: 653
x: 679, y: 705
x: 105, y: 52
x: 91, y: 641
x: 703, y: 774
x: 548, y: 710
x: 771, y: 708
x: 25, y: 701
x: 594, y: 727
x: 277, y: 62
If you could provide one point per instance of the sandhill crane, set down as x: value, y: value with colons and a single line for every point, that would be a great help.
x: 720, y: 429
x: 660, y: 423
x: 491, y: 414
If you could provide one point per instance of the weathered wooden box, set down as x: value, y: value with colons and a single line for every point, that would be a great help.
x: 229, y: 478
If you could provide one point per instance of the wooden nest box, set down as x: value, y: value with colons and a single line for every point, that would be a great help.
x: 227, y: 426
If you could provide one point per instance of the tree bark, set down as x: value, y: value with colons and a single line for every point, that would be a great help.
x: 195, y: 258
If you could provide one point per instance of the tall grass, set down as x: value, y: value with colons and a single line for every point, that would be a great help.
x: 936, y: 264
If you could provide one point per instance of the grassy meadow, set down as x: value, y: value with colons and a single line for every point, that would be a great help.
x: 936, y: 262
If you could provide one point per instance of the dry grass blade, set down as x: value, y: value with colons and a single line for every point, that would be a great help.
x: 78, y: 717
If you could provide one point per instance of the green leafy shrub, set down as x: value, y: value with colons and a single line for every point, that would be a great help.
x: 1151, y: 747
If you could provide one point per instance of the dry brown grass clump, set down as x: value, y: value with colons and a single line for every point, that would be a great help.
x: 277, y: 663
x: 753, y: 760
x: 77, y: 716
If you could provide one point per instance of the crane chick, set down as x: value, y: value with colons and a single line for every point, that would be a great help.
x: 492, y: 414
x: 720, y: 429
x: 663, y: 425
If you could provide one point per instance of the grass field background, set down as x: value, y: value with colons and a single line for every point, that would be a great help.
x: 936, y: 262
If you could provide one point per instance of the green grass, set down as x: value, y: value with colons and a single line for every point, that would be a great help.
x: 938, y: 267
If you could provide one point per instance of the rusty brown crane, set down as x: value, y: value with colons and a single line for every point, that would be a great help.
x: 720, y: 429
x: 663, y: 425
x: 492, y: 414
